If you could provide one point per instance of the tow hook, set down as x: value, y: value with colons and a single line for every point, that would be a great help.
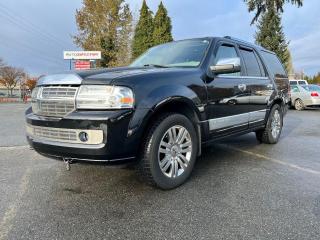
x: 67, y: 162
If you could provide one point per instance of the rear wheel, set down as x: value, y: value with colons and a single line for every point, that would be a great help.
x: 298, y: 105
x: 271, y: 133
x: 169, y: 151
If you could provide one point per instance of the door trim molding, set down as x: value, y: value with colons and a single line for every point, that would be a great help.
x: 236, y: 120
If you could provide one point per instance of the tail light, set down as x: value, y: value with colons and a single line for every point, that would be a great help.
x: 314, y: 94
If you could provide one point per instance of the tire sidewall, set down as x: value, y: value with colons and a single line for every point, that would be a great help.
x: 153, y: 146
x: 301, y: 105
x: 271, y: 115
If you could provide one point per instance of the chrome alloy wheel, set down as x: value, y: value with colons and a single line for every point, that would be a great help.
x: 276, y: 124
x: 175, y: 151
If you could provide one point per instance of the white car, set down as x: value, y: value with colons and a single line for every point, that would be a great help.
x: 305, y: 96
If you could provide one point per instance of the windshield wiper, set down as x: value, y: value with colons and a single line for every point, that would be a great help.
x: 155, y: 65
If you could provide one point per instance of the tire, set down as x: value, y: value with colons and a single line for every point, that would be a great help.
x: 298, y: 105
x: 159, y: 147
x: 271, y: 133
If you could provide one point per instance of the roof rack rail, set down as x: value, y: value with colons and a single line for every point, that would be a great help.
x: 238, y: 40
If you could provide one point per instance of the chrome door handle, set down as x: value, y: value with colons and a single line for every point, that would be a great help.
x: 242, y: 87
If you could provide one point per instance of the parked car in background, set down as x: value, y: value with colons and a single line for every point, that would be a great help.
x: 298, y: 82
x: 305, y: 96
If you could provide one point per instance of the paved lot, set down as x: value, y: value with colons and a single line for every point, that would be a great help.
x: 239, y: 190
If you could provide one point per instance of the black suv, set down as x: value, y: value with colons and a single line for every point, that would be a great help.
x: 163, y: 108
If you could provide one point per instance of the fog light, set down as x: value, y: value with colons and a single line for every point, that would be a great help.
x: 83, y: 136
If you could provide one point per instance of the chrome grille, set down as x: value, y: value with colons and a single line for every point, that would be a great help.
x: 58, y: 92
x: 65, y: 135
x: 55, y: 133
x: 55, y: 108
x: 56, y: 101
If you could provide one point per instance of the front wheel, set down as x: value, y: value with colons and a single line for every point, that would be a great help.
x: 271, y: 133
x: 169, y: 151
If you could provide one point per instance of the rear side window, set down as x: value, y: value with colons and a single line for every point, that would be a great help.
x: 252, y: 64
x: 302, y: 83
x: 293, y: 83
x: 274, y: 65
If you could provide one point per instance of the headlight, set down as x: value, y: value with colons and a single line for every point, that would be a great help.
x: 34, y: 93
x: 104, y: 97
x: 34, y: 97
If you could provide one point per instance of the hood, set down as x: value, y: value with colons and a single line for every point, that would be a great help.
x: 108, y: 75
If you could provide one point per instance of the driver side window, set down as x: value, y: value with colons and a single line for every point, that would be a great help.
x: 226, y: 52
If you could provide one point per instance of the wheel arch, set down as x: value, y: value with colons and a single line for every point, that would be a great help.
x: 280, y: 102
x: 179, y: 104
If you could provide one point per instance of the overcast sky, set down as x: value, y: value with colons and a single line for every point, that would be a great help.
x: 34, y: 33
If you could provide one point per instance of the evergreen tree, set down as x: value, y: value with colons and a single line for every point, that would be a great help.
x: 261, y: 6
x: 125, y: 33
x: 270, y: 34
x: 289, y: 65
x: 162, y: 26
x: 104, y: 26
x: 143, y: 36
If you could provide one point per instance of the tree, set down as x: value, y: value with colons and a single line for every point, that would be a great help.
x: 103, y: 25
x: 313, y: 80
x: 270, y: 35
x: 10, y: 77
x: 289, y: 64
x: 143, y: 35
x: 261, y: 6
x: 31, y: 83
x: 125, y: 35
x: 162, y: 26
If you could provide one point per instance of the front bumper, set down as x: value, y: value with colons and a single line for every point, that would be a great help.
x: 113, y: 140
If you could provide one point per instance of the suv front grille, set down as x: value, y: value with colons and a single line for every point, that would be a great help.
x: 54, y: 101
x: 58, y: 92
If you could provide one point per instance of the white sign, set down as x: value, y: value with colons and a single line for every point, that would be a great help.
x: 81, y: 55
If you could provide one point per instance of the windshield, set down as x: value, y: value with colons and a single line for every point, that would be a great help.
x: 312, y: 88
x: 186, y: 53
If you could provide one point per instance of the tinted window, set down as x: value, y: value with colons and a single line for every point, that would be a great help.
x: 226, y: 52
x: 274, y: 65
x: 302, y: 82
x: 251, y: 62
x: 293, y: 83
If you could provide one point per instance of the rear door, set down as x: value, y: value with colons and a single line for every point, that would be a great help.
x: 259, y: 85
x: 277, y: 72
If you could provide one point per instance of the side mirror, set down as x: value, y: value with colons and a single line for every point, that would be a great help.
x: 226, y: 65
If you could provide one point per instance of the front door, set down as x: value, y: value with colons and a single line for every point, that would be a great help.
x: 228, y: 96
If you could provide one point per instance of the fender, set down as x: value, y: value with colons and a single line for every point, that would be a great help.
x: 160, y: 97
x: 169, y: 92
